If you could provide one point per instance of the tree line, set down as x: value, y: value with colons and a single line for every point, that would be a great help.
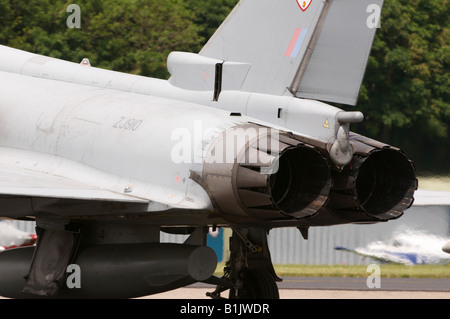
x: 405, y: 93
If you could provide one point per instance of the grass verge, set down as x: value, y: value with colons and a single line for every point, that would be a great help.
x: 387, y: 271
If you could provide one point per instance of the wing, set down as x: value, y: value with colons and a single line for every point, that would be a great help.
x: 26, y: 192
x: 313, y: 49
x: 32, y: 182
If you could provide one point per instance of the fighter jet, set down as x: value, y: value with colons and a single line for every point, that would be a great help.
x: 446, y: 248
x: 239, y: 137
x: 409, y: 247
x: 11, y: 237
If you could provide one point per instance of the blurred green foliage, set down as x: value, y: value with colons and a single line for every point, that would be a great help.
x: 406, y: 89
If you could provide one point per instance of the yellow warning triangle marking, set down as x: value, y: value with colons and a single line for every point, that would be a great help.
x: 326, y: 124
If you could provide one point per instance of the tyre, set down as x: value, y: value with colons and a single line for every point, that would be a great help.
x: 257, y: 284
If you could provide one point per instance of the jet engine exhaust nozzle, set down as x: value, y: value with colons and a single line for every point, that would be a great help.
x: 380, y: 181
x: 272, y: 176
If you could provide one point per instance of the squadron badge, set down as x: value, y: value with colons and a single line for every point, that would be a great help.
x: 304, y: 4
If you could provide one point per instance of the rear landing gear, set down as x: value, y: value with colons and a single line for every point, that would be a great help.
x: 256, y: 284
x: 249, y: 272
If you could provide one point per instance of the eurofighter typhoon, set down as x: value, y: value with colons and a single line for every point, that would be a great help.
x: 239, y: 137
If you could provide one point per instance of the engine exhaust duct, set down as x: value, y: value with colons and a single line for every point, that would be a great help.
x: 270, y: 176
x: 379, y: 181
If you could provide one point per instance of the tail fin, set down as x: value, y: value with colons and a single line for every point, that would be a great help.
x: 314, y: 49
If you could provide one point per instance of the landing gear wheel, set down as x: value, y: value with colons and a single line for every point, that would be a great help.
x: 256, y: 284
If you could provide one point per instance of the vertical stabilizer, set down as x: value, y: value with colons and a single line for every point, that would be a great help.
x: 314, y: 49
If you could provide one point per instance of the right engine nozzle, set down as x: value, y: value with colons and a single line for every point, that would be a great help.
x: 379, y: 181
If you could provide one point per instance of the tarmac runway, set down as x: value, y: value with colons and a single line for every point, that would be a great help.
x: 332, y: 288
x: 336, y: 288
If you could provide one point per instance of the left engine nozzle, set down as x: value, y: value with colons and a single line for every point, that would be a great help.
x: 255, y: 172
